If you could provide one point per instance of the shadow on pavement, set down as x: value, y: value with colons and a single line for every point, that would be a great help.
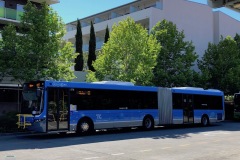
x: 43, y: 141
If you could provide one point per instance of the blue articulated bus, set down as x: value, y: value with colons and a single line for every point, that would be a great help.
x: 57, y: 106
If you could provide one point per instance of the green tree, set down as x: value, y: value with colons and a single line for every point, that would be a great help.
x: 92, y: 49
x: 220, y: 66
x: 106, y: 35
x: 36, y: 51
x: 79, y: 60
x: 129, y: 55
x: 176, y: 57
x: 8, y: 50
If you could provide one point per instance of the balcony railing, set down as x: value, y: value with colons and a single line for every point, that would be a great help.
x: 9, y: 13
x: 114, y: 15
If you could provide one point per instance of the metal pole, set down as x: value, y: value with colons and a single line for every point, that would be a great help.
x: 19, y: 109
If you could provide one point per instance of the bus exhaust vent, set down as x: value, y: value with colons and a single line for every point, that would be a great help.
x: 115, y: 83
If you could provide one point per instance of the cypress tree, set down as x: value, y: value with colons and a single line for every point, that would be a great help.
x: 79, y: 59
x: 106, y: 35
x: 92, y: 49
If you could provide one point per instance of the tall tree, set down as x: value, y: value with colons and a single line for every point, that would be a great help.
x: 129, y: 55
x: 176, y: 57
x: 220, y: 66
x: 38, y: 51
x: 79, y: 60
x: 106, y: 35
x: 8, y: 50
x: 92, y: 49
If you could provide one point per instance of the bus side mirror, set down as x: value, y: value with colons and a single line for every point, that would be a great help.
x: 38, y: 93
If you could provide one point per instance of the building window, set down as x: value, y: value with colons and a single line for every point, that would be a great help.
x: 159, y: 4
x: 20, y: 11
x: 20, y: 7
x: 2, y: 9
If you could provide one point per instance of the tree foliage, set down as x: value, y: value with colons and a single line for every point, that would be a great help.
x: 38, y: 49
x: 92, y: 49
x: 8, y: 51
x: 129, y: 55
x: 220, y: 66
x: 79, y: 43
x: 176, y: 57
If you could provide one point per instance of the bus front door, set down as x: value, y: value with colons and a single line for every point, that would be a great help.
x: 188, y: 111
x: 58, y: 109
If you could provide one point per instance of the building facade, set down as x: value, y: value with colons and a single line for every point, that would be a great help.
x: 201, y: 21
x: 11, y: 10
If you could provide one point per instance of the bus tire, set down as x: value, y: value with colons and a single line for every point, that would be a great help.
x: 205, y: 121
x: 85, y: 126
x: 148, y: 123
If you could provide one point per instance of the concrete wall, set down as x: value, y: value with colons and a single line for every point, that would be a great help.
x: 228, y: 26
x: 196, y: 20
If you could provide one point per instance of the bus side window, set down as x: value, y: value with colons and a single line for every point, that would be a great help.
x: 215, y: 102
x: 202, y: 101
x: 177, y: 101
x: 198, y: 102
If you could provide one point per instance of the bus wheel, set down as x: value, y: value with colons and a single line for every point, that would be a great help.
x: 204, y: 121
x: 148, y: 123
x: 85, y: 126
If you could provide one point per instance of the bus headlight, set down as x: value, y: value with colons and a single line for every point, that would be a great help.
x: 34, y: 113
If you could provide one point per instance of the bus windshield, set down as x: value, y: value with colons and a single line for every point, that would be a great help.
x: 31, y: 101
x: 30, y: 96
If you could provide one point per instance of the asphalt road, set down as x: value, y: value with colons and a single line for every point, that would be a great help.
x: 220, y: 141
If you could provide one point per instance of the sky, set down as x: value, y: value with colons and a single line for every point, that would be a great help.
x: 71, y: 10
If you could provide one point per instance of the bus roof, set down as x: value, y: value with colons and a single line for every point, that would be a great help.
x: 115, y: 85
x: 115, y: 82
x: 111, y: 86
x: 195, y: 90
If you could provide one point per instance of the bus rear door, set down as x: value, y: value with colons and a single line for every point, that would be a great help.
x: 188, y: 111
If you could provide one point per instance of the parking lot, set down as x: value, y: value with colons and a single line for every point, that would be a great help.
x: 220, y: 141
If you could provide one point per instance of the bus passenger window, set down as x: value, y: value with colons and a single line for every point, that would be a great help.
x: 177, y: 101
